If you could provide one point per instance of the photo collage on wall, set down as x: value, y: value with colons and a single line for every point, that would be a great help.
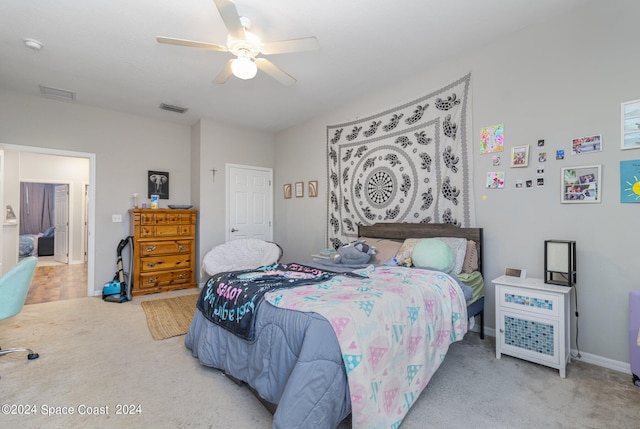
x: 579, y: 184
x: 492, y: 142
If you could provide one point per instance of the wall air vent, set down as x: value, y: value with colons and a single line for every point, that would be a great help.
x: 57, y: 93
x: 174, y: 109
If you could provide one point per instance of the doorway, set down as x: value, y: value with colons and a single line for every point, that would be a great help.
x: 44, y: 221
x: 75, y: 170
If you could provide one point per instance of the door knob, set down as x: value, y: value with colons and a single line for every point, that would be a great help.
x: 234, y: 230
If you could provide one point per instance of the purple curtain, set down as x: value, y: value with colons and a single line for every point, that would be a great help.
x: 37, y: 202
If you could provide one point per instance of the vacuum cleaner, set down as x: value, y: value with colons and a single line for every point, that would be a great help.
x: 119, y: 289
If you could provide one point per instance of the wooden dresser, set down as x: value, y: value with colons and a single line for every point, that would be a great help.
x: 163, y: 250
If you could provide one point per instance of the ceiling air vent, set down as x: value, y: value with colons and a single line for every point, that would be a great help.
x: 174, y: 109
x: 57, y: 93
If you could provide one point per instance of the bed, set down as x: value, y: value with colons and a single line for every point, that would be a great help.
x: 303, y: 352
x: 40, y: 244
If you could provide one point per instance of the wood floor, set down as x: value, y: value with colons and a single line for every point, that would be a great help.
x: 57, y: 283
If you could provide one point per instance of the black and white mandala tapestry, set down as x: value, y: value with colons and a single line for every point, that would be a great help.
x: 412, y: 163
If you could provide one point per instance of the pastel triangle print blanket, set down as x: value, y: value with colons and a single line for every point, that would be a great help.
x: 394, y: 328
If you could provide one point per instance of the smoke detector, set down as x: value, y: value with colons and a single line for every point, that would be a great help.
x: 33, y: 44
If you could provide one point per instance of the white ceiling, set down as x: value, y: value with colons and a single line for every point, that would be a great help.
x: 105, y: 51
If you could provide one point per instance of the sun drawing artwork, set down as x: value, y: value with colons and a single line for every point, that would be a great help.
x: 630, y: 181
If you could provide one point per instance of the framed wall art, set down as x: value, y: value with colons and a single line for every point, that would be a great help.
x: 586, y: 144
x: 313, y: 188
x: 158, y: 184
x: 495, y: 180
x: 299, y: 189
x: 630, y: 181
x: 630, y: 113
x: 492, y: 139
x: 287, y: 190
x: 581, y: 184
x: 520, y: 156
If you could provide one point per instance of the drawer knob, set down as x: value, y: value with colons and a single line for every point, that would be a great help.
x: 151, y: 264
x: 181, y: 247
x: 182, y: 276
x: 152, y: 280
x: 151, y: 248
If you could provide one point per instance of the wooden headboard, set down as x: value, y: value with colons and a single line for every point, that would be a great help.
x: 402, y: 231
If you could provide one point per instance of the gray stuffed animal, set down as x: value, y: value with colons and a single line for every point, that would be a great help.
x: 355, y: 253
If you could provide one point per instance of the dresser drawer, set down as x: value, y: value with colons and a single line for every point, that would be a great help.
x: 168, y: 262
x: 166, y: 278
x: 529, y: 300
x: 167, y: 218
x: 153, y: 248
x: 167, y: 230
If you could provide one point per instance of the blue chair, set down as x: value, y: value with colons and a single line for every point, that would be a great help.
x: 14, y: 286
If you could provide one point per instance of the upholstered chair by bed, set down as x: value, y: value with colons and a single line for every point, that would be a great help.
x: 14, y: 285
x: 241, y: 254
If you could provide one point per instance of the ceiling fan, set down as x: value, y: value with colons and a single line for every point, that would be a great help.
x: 246, y: 46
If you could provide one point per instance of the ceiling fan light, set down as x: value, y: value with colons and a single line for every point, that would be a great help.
x: 244, y: 68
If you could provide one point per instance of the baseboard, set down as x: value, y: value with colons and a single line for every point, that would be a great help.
x: 602, y: 361
x: 584, y: 357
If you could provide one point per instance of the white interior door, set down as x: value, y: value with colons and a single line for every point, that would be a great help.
x: 250, y: 203
x: 61, y: 221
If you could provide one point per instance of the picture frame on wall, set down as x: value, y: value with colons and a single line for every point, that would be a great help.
x: 520, y: 156
x: 287, y: 191
x: 299, y: 189
x: 313, y: 188
x: 158, y: 184
x: 581, y: 184
x: 630, y: 119
x: 587, y: 144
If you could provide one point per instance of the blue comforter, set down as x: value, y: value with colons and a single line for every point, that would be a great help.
x: 299, y: 348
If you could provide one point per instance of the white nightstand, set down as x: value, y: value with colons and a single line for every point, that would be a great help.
x: 532, y: 321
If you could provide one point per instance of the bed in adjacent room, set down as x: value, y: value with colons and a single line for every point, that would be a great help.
x: 331, y: 344
x: 40, y: 244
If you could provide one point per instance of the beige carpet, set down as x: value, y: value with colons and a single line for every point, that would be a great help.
x: 97, y: 354
x: 169, y: 317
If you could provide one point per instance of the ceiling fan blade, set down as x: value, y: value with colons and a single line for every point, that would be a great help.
x: 231, y: 19
x: 293, y: 45
x: 191, y: 43
x: 224, y: 74
x: 275, y: 72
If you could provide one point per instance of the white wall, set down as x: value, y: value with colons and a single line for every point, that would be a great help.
x: 560, y: 79
x: 125, y: 148
x: 11, y: 194
x: 215, y: 145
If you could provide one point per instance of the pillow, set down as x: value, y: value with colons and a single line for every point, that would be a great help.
x: 385, y: 249
x: 470, y: 258
x: 459, y: 247
x: 433, y: 253
x: 48, y: 233
x: 406, y: 249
